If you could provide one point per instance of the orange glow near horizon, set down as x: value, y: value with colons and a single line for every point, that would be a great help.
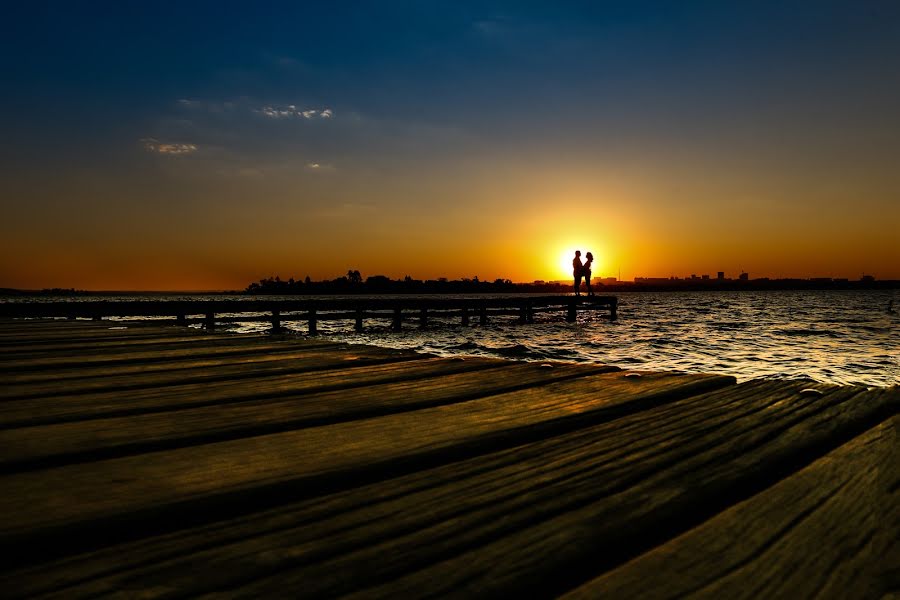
x: 525, y: 229
x: 523, y: 256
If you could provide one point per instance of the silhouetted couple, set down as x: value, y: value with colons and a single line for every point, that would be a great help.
x: 580, y: 270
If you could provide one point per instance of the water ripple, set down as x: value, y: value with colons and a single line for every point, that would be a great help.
x: 846, y: 337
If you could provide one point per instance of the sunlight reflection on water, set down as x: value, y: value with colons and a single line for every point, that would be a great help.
x: 833, y: 337
x: 847, y: 337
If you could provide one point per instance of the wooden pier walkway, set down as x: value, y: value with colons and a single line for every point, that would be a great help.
x: 312, y: 311
x: 159, y: 461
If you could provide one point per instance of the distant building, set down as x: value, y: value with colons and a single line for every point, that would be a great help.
x: 868, y: 278
x: 744, y: 277
x: 705, y: 277
x: 720, y: 275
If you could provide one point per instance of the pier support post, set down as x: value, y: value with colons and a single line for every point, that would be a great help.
x: 529, y: 312
x: 181, y: 320
x: 570, y: 314
x: 276, y: 321
x: 612, y: 309
x: 465, y: 316
x: 313, y: 329
x: 359, y: 318
x: 98, y: 318
x: 210, y: 320
x: 398, y: 320
x: 523, y: 314
x: 483, y: 314
x: 423, y: 318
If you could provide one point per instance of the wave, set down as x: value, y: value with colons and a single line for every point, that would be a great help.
x: 801, y: 332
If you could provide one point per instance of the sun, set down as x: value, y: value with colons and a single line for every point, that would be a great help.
x: 564, y: 262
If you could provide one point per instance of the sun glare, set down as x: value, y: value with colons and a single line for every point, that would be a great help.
x: 565, y: 262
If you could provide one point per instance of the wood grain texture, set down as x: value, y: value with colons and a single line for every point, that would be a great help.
x: 827, y: 529
x: 291, y: 405
x: 333, y: 370
x: 104, y: 493
x: 125, y: 375
x: 270, y: 466
x: 551, y: 554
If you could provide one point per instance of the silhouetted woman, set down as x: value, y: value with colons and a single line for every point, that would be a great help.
x: 586, y: 272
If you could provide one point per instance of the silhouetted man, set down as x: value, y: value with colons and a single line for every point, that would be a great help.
x: 577, y: 271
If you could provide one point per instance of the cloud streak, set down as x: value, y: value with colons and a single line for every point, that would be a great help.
x: 291, y: 111
x: 168, y: 148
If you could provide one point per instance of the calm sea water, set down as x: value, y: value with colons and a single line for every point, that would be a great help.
x: 833, y: 337
x: 847, y: 337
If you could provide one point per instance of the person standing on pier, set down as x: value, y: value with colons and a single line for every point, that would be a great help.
x: 586, y: 272
x: 577, y: 271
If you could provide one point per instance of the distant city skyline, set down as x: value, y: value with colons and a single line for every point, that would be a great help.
x: 203, y: 145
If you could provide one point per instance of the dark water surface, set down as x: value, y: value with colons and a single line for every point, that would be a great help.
x: 846, y: 337
x: 834, y: 337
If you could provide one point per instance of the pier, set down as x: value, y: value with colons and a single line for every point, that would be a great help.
x: 396, y: 309
x: 156, y: 460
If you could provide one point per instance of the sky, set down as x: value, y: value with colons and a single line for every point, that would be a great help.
x: 206, y: 145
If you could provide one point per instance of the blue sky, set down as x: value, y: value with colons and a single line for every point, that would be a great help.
x: 145, y: 106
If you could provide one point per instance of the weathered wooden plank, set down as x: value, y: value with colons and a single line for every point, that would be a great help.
x: 158, y: 375
x: 332, y: 371
x: 163, y: 344
x: 60, y: 328
x: 410, y: 386
x: 99, y: 345
x: 511, y: 515
x: 160, y: 489
x: 373, y: 534
x: 821, y: 532
x: 554, y: 551
x: 37, y: 340
x: 75, y: 375
x: 188, y: 351
x: 34, y: 323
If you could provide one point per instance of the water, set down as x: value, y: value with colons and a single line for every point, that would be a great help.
x: 846, y: 337
x: 830, y: 337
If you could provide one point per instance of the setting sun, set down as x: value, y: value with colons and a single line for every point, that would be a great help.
x: 564, y: 262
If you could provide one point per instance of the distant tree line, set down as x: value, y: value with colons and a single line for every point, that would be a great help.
x: 353, y: 283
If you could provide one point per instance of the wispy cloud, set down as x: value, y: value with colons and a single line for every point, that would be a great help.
x: 289, y: 111
x: 169, y: 148
x: 319, y: 167
x: 239, y: 106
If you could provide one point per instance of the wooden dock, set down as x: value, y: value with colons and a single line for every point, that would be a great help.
x: 395, y: 309
x: 159, y: 461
